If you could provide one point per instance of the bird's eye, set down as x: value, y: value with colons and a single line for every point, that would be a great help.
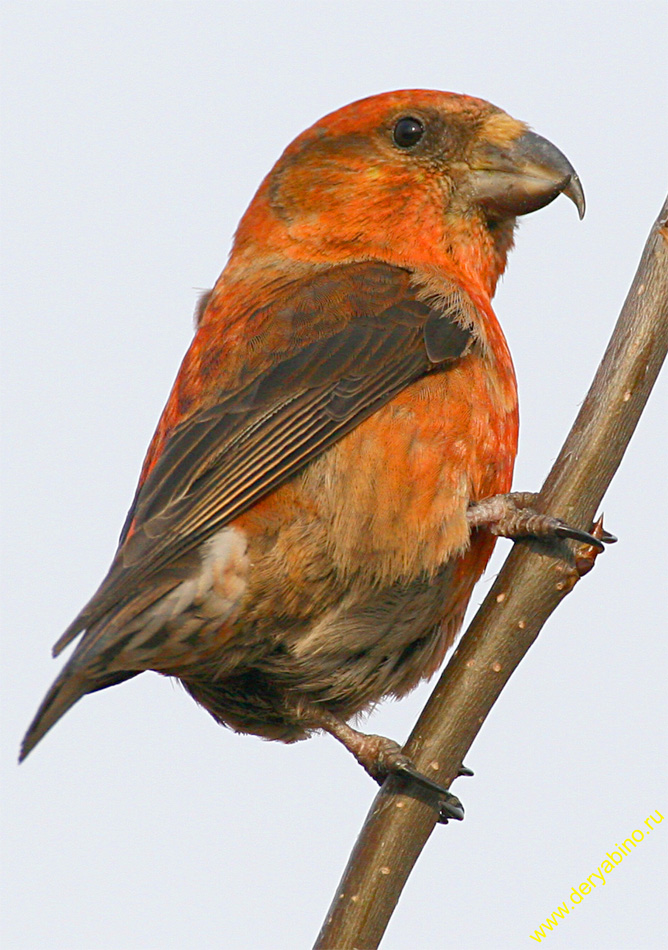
x: 408, y: 132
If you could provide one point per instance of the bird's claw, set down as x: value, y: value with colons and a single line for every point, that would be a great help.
x: 513, y: 516
x: 380, y: 757
x: 562, y: 530
x: 449, y: 806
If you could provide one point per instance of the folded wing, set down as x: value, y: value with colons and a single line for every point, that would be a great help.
x: 256, y: 436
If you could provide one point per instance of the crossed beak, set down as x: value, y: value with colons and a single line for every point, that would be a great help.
x: 523, y: 177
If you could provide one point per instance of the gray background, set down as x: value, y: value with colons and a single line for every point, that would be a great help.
x: 134, y: 137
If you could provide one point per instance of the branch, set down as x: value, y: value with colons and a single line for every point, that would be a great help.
x: 533, y: 581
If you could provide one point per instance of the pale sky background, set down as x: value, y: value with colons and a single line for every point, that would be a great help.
x: 134, y: 136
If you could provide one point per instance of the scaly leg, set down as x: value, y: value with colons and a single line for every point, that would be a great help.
x: 381, y: 757
x: 512, y: 516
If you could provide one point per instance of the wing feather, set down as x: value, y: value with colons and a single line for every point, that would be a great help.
x: 222, y: 460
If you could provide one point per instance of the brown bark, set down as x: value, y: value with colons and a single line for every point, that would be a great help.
x: 531, y: 584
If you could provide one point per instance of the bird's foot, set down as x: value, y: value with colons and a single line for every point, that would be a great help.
x: 394, y: 762
x: 513, y: 516
x: 381, y: 757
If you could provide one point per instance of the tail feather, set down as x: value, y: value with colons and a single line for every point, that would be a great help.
x: 69, y: 687
x: 75, y: 628
x: 100, y: 659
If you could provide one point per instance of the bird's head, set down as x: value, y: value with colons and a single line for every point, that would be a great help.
x: 409, y: 177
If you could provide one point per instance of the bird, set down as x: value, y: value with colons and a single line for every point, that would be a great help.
x: 334, y: 462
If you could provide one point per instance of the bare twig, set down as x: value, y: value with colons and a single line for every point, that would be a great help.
x: 528, y: 589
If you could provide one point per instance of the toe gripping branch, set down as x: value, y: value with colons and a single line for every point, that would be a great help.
x: 381, y: 757
x: 514, y: 516
x: 449, y: 806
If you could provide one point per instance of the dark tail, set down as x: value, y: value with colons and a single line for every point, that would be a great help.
x: 67, y: 689
x: 86, y: 671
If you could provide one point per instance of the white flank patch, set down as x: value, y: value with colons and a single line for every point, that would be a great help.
x: 213, y: 594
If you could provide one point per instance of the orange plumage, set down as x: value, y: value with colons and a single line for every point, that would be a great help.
x: 301, y: 541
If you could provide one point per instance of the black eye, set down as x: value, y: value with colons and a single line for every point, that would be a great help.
x: 408, y: 132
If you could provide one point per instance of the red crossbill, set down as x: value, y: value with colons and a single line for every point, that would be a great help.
x: 331, y: 469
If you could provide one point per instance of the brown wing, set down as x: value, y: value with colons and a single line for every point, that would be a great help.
x: 221, y: 461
